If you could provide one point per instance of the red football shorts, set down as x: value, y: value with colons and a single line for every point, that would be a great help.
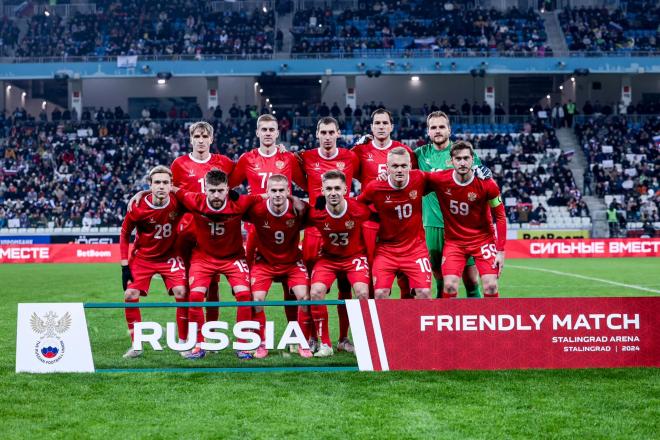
x: 263, y: 274
x: 414, y: 264
x: 369, y: 235
x: 355, y: 268
x: 311, y: 246
x: 455, y: 255
x: 204, y: 268
x: 171, y: 269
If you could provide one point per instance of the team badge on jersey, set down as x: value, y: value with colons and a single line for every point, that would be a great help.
x: 448, y: 191
x: 370, y: 157
x: 413, y: 194
x: 341, y: 166
x: 279, y: 164
x: 191, y: 173
x: 350, y: 224
x: 152, y: 220
x: 326, y: 227
x: 290, y: 223
x: 472, y: 196
x: 266, y: 225
x: 174, y: 215
x: 317, y: 166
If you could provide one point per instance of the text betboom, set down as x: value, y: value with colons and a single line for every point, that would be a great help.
x: 151, y: 333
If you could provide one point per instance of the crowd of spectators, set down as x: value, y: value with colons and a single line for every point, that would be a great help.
x: 597, y: 29
x: 64, y: 173
x: 152, y: 27
x: 623, y: 162
x: 9, y: 33
x: 423, y: 24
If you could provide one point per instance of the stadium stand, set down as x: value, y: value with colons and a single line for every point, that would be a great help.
x: 419, y: 25
x: 623, y: 165
x: 150, y: 28
x: 602, y: 30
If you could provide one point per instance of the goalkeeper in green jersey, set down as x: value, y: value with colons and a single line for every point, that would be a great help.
x: 435, y: 157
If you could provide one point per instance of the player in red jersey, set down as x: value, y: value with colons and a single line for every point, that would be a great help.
x: 401, y: 246
x: 189, y: 173
x: 277, y: 229
x: 156, y: 219
x: 466, y: 204
x: 373, y: 161
x: 342, y: 251
x: 256, y: 167
x: 219, y: 249
x: 315, y: 163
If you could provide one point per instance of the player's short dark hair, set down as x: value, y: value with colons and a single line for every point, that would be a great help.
x: 333, y: 174
x: 438, y: 114
x: 160, y: 169
x: 278, y: 178
x: 459, y: 146
x: 216, y: 177
x: 327, y: 120
x: 382, y: 111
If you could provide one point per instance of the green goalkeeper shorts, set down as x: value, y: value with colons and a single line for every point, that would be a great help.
x: 435, y: 240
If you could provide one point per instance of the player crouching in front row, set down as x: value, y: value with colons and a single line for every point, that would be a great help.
x: 156, y: 218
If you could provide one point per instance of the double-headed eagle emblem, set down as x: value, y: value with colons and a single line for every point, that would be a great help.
x: 50, y: 326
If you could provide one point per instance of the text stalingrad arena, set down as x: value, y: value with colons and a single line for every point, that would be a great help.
x: 589, y: 339
x: 592, y: 321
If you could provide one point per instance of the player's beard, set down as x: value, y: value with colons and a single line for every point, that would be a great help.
x: 440, y: 141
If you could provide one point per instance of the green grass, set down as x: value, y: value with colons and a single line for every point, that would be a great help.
x: 618, y: 403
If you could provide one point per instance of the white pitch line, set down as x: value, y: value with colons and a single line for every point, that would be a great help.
x: 574, y: 275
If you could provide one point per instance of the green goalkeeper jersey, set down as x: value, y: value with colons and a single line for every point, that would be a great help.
x: 430, y: 159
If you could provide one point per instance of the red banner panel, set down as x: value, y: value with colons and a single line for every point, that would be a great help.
x: 60, y: 253
x: 609, y: 247
x: 506, y: 333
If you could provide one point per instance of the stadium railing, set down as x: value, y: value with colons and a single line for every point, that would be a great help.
x: 368, y: 53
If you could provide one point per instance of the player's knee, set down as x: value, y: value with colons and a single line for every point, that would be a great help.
x: 131, y: 294
x: 490, y: 287
x: 317, y: 292
x: 362, y: 292
x: 382, y: 293
x: 422, y: 293
x: 179, y: 292
x: 451, y: 286
x: 197, y: 295
x: 259, y: 296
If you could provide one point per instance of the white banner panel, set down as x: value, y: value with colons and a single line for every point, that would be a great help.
x: 53, y: 338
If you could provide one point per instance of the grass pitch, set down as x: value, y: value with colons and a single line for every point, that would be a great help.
x: 622, y: 403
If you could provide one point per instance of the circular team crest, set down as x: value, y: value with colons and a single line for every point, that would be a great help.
x: 290, y: 223
x: 350, y: 224
x: 174, y: 215
x: 413, y: 194
x: 472, y: 196
x: 49, y: 349
x: 279, y: 164
x: 341, y: 166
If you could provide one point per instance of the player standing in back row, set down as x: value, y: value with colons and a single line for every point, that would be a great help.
x: 466, y: 204
x: 435, y: 157
x: 373, y: 162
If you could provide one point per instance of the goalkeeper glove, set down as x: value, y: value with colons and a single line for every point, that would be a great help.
x: 233, y: 195
x: 364, y: 139
x: 482, y: 172
x: 320, y: 202
x: 126, y: 276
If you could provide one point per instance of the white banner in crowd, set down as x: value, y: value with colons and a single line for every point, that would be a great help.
x: 53, y: 338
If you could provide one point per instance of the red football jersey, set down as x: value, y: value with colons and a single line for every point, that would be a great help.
x: 342, y: 234
x: 373, y: 160
x: 218, y: 231
x: 465, y: 206
x: 277, y: 236
x: 399, y: 209
x: 188, y: 173
x: 256, y: 168
x: 314, y: 165
x: 156, y: 228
